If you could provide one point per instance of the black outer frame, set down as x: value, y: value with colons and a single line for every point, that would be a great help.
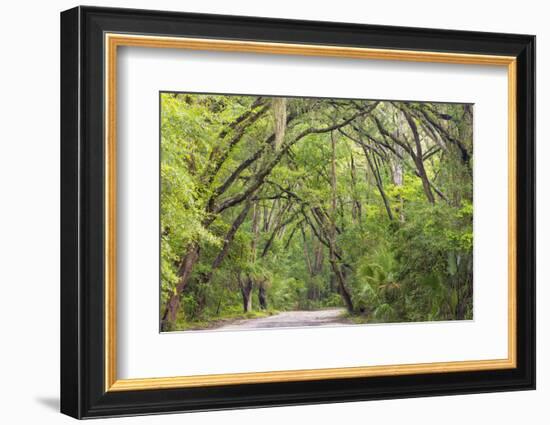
x: 82, y: 212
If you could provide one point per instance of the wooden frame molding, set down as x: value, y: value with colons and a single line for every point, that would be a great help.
x: 111, y: 43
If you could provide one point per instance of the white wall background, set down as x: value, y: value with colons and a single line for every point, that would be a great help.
x: 29, y: 213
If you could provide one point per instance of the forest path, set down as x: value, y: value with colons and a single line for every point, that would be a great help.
x: 289, y: 319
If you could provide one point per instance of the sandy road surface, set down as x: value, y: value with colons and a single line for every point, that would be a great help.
x: 288, y: 319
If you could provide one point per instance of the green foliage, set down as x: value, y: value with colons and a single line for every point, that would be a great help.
x: 357, y: 188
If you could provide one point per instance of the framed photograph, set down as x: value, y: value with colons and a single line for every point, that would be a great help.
x: 261, y: 212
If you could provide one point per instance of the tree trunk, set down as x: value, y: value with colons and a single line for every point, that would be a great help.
x: 262, y: 295
x: 255, y: 231
x: 356, y: 206
x: 246, y: 292
x: 397, y: 178
x: 425, y: 181
x: 306, y: 252
x: 418, y: 158
x: 279, y: 116
x: 341, y: 279
x: 378, y: 180
x: 336, y: 268
x: 319, y: 257
x: 186, y: 268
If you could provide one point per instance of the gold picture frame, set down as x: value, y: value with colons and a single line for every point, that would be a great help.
x: 114, y: 41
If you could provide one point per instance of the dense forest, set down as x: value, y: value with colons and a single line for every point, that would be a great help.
x: 273, y: 204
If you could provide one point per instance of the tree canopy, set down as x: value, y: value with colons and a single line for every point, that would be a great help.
x: 271, y: 204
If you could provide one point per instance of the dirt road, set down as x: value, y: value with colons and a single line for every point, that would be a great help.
x: 287, y: 319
